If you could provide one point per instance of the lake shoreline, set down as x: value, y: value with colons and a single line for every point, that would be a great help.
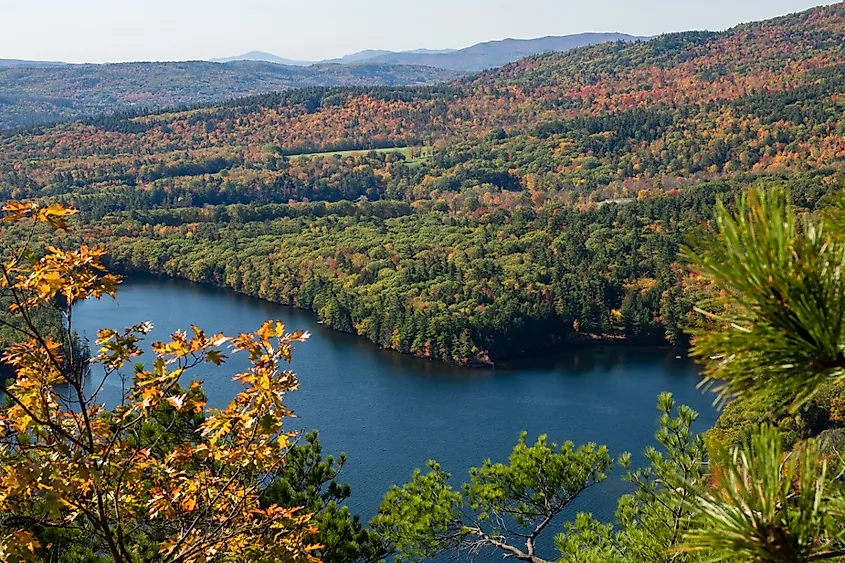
x: 392, y: 413
x: 569, y: 343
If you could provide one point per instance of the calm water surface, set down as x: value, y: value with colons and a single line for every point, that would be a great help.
x: 390, y: 413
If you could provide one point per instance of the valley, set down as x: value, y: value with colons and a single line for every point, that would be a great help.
x: 487, y: 242
x: 477, y: 280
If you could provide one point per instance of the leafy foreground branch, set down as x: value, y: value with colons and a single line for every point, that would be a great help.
x: 187, y: 493
x: 768, y: 505
x: 507, y: 508
x: 500, y: 503
x: 777, y: 330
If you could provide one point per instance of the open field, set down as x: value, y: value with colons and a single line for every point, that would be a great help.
x: 424, y: 153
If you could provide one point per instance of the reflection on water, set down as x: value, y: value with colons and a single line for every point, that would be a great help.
x: 591, y: 356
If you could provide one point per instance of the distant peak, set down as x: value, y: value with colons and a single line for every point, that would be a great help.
x: 480, y: 56
x: 261, y: 56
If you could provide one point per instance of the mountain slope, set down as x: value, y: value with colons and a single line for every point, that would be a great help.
x: 259, y: 56
x: 33, y: 92
x: 497, y: 53
x: 358, y: 57
x: 529, y: 206
x: 17, y: 63
x: 477, y: 57
x: 31, y: 95
x: 699, y: 72
x: 372, y: 55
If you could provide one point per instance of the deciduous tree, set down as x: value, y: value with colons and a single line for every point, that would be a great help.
x: 69, y: 463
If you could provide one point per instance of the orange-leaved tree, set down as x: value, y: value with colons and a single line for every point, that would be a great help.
x: 187, y: 492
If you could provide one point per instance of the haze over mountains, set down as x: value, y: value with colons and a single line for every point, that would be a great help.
x: 31, y: 95
x: 259, y: 56
x: 6, y: 63
x: 368, y: 55
x: 34, y: 92
x: 477, y: 57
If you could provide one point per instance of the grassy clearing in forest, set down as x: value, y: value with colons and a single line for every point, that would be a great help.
x: 424, y: 153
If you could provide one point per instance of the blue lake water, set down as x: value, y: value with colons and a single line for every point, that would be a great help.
x: 391, y: 413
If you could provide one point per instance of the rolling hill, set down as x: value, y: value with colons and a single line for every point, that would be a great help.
x: 33, y: 92
x: 259, y: 56
x: 370, y: 54
x: 690, y: 76
x: 480, y: 56
x: 497, y: 53
x: 37, y: 94
x: 524, y: 206
x: 17, y: 63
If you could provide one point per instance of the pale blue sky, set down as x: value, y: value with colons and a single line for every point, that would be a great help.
x: 121, y: 30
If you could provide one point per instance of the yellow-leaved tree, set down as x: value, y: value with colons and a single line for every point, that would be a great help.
x: 159, y: 477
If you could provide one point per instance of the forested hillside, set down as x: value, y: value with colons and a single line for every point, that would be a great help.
x: 524, y: 207
x: 42, y: 92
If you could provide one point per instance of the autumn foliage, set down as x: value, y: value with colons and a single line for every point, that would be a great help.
x: 502, y: 214
x: 188, y: 492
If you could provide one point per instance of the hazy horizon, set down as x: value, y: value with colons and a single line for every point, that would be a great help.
x: 159, y: 30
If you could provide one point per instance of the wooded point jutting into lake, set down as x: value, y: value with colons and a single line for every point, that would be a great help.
x: 574, y: 297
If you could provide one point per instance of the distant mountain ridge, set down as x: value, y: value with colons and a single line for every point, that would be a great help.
x: 17, y: 63
x: 34, y: 92
x: 492, y: 54
x: 655, y: 92
x: 359, y: 56
x: 371, y: 55
x: 260, y: 56
x: 31, y: 94
x: 481, y: 56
